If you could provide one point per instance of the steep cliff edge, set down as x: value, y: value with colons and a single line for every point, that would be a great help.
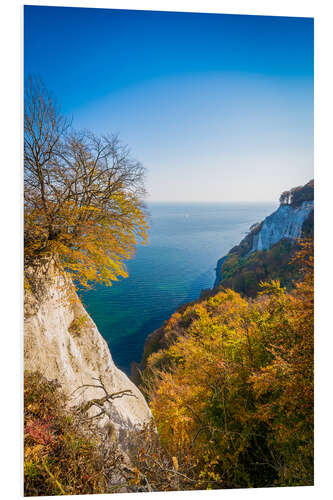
x: 272, y: 241
x: 62, y: 342
x: 286, y: 222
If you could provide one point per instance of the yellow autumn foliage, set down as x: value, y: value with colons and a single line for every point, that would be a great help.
x: 82, y: 194
x: 234, y: 389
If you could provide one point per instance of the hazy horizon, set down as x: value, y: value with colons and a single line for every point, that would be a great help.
x: 212, y: 202
x: 216, y: 107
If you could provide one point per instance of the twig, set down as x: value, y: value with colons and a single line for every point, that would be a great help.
x: 53, y: 477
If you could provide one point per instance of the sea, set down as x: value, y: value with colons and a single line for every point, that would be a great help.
x: 179, y: 260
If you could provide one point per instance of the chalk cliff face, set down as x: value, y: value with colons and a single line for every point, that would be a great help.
x: 286, y: 222
x: 290, y: 221
x: 62, y: 342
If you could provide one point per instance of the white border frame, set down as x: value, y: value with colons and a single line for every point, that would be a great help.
x: 11, y: 227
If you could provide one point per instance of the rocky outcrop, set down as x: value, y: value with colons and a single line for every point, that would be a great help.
x: 286, y: 222
x: 62, y: 342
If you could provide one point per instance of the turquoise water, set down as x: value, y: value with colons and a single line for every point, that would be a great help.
x: 185, y: 242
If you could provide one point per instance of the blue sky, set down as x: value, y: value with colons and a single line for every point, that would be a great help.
x: 217, y: 107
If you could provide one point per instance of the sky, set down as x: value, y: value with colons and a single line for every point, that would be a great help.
x: 216, y: 107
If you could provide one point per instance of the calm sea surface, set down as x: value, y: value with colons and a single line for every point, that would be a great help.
x: 185, y: 241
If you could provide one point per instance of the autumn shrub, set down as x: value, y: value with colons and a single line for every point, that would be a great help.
x: 77, y: 324
x: 155, y: 466
x: 62, y: 453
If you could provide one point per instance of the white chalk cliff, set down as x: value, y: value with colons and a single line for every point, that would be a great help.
x: 62, y: 342
x: 292, y: 220
x: 286, y: 222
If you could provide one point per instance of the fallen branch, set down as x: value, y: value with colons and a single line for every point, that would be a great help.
x: 99, y: 402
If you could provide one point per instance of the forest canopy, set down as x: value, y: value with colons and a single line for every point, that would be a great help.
x: 83, y: 193
x: 232, y: 390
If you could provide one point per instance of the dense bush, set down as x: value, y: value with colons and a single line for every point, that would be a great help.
x: 243, y: 274
x: 233, y: 392
x: 63, y: 454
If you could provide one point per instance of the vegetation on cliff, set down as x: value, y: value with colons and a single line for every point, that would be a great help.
x: 63, y: 453
x: 233, y: 391
x: 66, y: 453
x: 244, y: 274
x: 297, y: 195
x: 82, y: 193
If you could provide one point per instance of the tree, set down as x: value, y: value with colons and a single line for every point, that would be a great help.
x: 83, y: 194
x: 285, y: 198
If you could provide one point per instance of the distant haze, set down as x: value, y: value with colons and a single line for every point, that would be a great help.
x: 217, y: 107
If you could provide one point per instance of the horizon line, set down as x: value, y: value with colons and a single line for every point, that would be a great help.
x: 211, y: 201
